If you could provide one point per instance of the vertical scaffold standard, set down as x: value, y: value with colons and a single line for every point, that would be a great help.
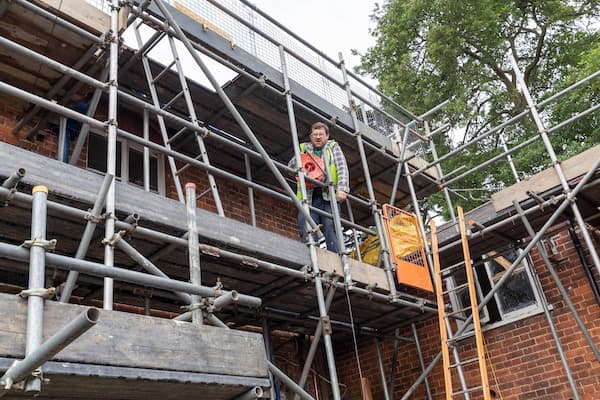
x: 407, y: 248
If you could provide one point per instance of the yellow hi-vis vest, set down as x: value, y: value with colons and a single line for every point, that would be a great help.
x: 332, y: 168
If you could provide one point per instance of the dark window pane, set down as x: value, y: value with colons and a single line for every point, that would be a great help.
x: 517, y: 292
x: 136, y: 169
x: 96, y: 157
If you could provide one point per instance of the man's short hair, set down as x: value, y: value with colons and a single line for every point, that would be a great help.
x: 319, y: 125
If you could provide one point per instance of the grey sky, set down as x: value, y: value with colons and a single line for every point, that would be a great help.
x: 332, y: 26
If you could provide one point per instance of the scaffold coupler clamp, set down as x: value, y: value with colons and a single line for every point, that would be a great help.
x: 204, y: 132
x: 249, y: 261
x: 262, y: 80
x: 370, y: 287
x: 108, y: 38
x: 210, y: 250
x: 349, y: 284
x: 421, y: 304
x: 328, y: 278
x: 201, y: 305
x: 116, y: 237
x: 8, y: 198
x: 48, y: 245
x: 326, y: 324
x: 44, y: 293
x: 7, y: 381
x: 218, y: 287
x: 208, y: 305
x: 96, y: 219
x: 133, y: 221
x: 307, y: 271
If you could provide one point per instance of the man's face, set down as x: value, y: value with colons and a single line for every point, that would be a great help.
x: 318, y: 138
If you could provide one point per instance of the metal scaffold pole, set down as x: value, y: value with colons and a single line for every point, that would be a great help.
x: 193, y: 251
x: 159, y: 118
x: 551, y: 325
x: 111, y: 158
x: 314, y: 345
x: 438, y: 168
x: 86, y: 238
x: 192, y: 114
x: 568, y: 199
x: 375, y: 211
x: 235, y: 113
x: 36, y: 289
x: 542, y: 131
x: 323, y: 309
x: 565, y: 295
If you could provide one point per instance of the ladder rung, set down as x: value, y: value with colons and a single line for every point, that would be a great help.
x: 468, y: 390
x: 454, y: 289
x: 465, y: 362
x: 452, y: 268
x: 203, y: 193
x: 173, y: 100
x: 176, y: 135
x: 180, y: 170
x: 155, y: 39
x: 160, y: 75
x: 455, y: 339
x: 451, y: 313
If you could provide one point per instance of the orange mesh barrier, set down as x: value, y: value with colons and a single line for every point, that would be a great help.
x: 406, y: 247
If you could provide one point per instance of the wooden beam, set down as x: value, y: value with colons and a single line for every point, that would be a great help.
x: 80, y: 12
x: 545, y: 180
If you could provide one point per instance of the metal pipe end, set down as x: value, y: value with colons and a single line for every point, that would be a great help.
x: 258, y: 391
x: 21, y: 172
x: 235, y: 296
x: 92, y: 314
x: 133, y: 218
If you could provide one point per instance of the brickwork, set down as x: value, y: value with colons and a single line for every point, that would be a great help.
x: 524, y: 358
x: 271, y: 214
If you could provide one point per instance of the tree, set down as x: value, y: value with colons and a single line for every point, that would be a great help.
x: 428, y: 51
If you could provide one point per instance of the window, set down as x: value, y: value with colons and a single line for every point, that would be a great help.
x: 515, y: 299
x: 130, y: 162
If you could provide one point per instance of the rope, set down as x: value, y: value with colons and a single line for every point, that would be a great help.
x: 354, y: 335
x: 492, y: 369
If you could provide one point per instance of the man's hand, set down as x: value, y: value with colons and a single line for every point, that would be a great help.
x: 340, y: 196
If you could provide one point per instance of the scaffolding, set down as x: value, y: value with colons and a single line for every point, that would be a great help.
x: 292, y: 84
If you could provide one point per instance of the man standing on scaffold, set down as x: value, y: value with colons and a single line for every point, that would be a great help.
x: 313, y: 155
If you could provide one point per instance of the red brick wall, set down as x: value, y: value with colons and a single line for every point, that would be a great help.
x: 271, y: 214
x: 9, y: 116
x: 524, y: 357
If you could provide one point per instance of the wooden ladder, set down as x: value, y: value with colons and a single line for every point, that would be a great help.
x: 444, y: 316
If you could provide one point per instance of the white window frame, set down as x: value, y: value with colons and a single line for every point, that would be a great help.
x: 505, y: 317
x: 125, y: 147
x: 524, y: 311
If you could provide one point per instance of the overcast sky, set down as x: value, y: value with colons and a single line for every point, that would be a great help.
x: 332, y: 26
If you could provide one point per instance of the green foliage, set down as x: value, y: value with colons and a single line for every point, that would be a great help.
x: 429, y: 51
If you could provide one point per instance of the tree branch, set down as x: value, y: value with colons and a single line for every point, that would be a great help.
x: 494, y: 67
